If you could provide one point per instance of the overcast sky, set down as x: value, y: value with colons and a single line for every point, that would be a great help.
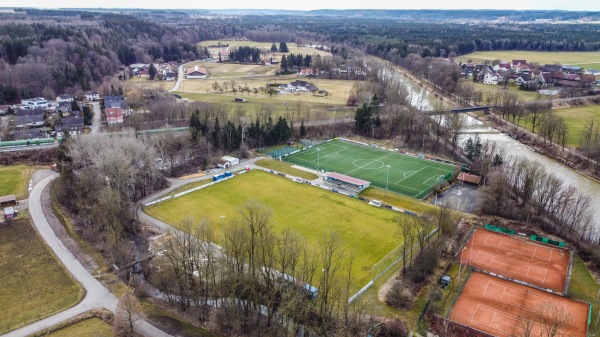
x: 576, y: 5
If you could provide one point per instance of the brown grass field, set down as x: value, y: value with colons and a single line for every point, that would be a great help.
x: 541, y: 265
x: 33, y: 284
x: 91, y: 327
x: 503, y: 308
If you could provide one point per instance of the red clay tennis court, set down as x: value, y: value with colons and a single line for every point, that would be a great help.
x: 519, y: 259
x: 500, y: 307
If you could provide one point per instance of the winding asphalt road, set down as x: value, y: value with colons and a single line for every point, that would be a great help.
x: 97, y: 296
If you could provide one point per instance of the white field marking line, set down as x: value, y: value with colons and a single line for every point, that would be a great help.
x: 410, y: 188
x: 436, y: 180
x: 491, y: 323
x: 508, y: 264
x: 519, y: 251
x: 369, y: 163
x: 486, y: 238
x: 543, y: 298
x: 413, y: 173
x: 503, y: 332
x: 473, y: 316
x: 533, y: 243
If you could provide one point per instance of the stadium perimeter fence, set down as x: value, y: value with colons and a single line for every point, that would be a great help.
x: 394, y: 188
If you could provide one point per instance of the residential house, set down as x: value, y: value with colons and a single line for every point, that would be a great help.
x: 516, y: 63
x: 30, y: 121
x: 572, y: 69
x: 25, y: 112
x: 468, y: 68
x: 196, y: 72
x: 552, y: 68
x: 4, y: 109
x: 299, y: 85
x: 521, y: 68
x: 92, y: 96
x: 309, y: 72
x: 501, y: 65
x: 114, y: 109
x: 266, y: 62
x: 65, y: 98
x: 490, y: 79
x: 168, y: 75
x: 27, y: 134
x: 523, y: 78
x: 34, y: 103
x: 72, y: 125
x: 592, y: 71
x: 145, y: 73
x: 64, y: 107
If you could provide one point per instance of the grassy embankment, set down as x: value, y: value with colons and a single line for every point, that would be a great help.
x: 576, y: 119
x: 34, y: 283
x: 91, y: 327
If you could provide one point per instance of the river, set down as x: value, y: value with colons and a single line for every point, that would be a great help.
x: 511, y: 147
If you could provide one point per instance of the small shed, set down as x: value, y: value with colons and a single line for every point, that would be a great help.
x: 8, y: 200
x: 228, y: 161
x: 445, y: 281
x: 470, y: 179
x: 9, y: 213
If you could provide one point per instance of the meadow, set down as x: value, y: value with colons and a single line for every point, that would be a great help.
x: 582, y: 59
x: 15, y: 180
x: 292, y: 47
x: 576, y: 119
x: 91, y: 327
x: 34, y: 283
x: 310, y: 211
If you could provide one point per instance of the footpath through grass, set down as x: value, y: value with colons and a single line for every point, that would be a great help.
x: 33, y: 283
x: 14, y: 180
x: 310, y: 211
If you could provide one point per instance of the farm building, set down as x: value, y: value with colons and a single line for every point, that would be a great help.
x: 228, y: 161
x: 196, y: 72
x: 470, y: 179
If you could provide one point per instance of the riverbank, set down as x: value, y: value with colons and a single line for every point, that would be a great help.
x: 566, y: 157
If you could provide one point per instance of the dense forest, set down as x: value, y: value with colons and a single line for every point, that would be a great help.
x: 47, y: 53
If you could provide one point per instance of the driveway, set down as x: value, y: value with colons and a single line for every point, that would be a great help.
x: 97, y: 121
x: 461, y: 197
x: 179, y: 79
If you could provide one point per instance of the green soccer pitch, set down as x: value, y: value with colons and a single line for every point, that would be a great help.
x: 311, y: 212
x: 386, y: 169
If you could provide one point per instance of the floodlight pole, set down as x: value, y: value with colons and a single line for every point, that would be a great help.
x: 387, y: 177
x: 318, y: 159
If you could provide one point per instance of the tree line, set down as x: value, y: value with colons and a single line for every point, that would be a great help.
x: 259, y: 279
x: 521, y: 187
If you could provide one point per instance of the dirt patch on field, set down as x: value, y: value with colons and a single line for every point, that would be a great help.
x: 193, y: 175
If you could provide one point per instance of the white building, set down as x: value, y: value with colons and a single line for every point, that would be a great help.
x: 490, y: 79
x: 228, y: 161
x: 92, y: 96
x: 34, y: 103
x: 65, y: 98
